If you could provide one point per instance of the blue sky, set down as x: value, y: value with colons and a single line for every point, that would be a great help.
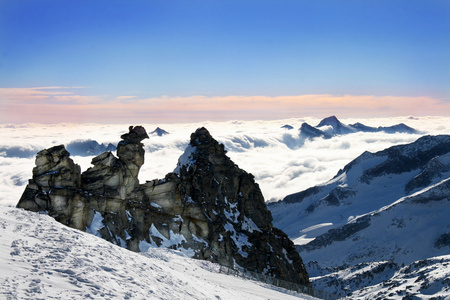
x: 150, y: 49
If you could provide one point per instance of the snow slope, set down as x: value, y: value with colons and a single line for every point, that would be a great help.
x: 382, y: 212
x: 43, y: 259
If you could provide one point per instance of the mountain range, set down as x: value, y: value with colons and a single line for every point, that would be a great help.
x: 331, y: 126
x: 380, y: 227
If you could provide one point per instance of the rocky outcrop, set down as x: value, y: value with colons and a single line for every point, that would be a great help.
x: 208, y: 207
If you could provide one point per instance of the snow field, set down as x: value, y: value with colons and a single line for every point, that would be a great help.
x: 43, y: 259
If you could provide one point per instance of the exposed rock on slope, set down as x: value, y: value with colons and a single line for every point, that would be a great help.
x: 390, y: 206
x: 208, y: 208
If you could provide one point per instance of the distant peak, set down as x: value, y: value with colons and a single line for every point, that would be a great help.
x: 159, y: 132
x: 289, y: 127
x: 331, y: 121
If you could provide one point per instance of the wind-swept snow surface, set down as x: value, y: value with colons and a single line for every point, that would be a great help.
x: 43, y: 259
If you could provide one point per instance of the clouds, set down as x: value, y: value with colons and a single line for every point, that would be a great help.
x: 70, y: 104
x: 37, y: 94
x: 280, y: 160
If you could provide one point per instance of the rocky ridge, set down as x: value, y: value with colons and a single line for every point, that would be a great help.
x: 208, y: 208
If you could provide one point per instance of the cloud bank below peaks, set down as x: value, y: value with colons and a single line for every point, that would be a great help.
x: 280, y: 160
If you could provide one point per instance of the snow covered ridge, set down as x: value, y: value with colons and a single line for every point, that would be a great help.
x: 43, y: 259
x: 382, y: 211
x: 209, y: 209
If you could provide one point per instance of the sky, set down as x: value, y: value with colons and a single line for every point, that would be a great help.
x: 187, y: 61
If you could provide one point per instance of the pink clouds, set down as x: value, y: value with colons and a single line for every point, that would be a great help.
x: 58, y: 104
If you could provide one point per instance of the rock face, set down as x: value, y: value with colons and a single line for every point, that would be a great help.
x: 208, y: 207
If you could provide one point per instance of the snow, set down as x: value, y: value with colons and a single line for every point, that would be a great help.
x: 96, y: 225
x: 358, y: 240
x: 43, y: 259
x: 249, y: 225
x: 426, y: 279
x: 240, y: 239
x: 313, y: 230
x: 186, y: 159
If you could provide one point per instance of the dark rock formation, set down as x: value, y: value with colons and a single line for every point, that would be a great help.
x: 208, y: 208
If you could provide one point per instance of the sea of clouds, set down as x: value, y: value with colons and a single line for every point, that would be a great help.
x: 280, y: 160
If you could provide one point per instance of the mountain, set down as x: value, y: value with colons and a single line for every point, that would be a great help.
x: 338, y: 127
x: 288, y: 127
x: 43, y: 259
x: 88, y: 147
x: 208, y: 207
x: 331, y: 126
x: 307, y: 131
x: 78, y: 147
x: 159, y: 132
x: 380, y: 222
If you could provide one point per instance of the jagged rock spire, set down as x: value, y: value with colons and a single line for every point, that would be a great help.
x: 135, y: 134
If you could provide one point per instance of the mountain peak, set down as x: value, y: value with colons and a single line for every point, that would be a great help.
x: 201, y: 137
x: 331, y: 121
x: 287, y: 126
x: 308, y: 131
x: 159, y: 132
x: 337, y: 126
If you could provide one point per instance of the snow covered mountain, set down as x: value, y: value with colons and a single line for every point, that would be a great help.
x: 381, y: 223
x: 336, y: 125
x: 331, y: 126
x: 43, y: 259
